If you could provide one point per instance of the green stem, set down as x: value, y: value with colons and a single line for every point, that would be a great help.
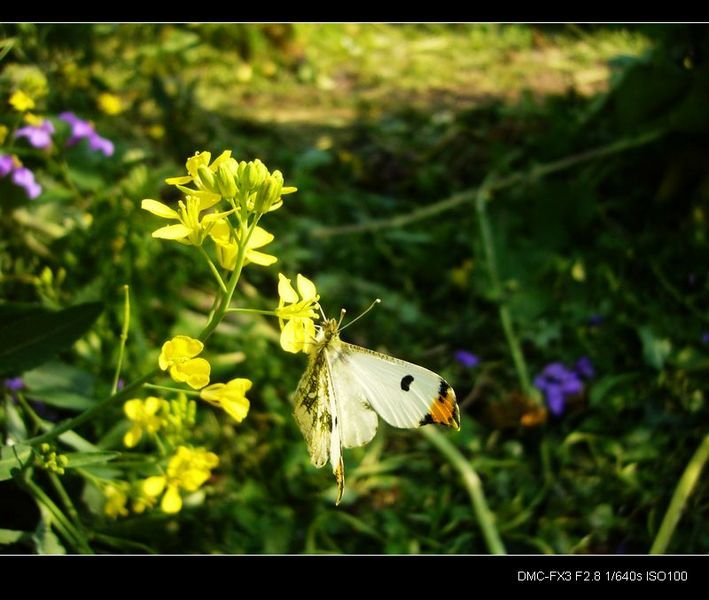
x: 469, y: 195
x: 68, y: 504
x: 255, y: 311
x: 229, y: 292
x: 503, y: 308
x: 472, y: 484
x: 34, y: 417
x: 685, y: 487
x: 124, y: 338
x: 213, y: 268
x: 68, y: 531
x: 121, y: 543
x: 168, y: 388
x: 124, y: 394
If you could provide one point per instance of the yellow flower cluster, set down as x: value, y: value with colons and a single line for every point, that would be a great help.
x: 187, y: 470
x: 249, y: 190
x: 143, y: 417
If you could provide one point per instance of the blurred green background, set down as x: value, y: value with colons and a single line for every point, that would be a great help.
x: 594, y: 141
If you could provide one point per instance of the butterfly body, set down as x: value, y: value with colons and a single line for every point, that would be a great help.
x: 345, y: 387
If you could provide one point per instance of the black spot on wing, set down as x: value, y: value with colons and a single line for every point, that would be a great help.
x: 427, y: 420
x: 406, y: 381
x: 443, y: 389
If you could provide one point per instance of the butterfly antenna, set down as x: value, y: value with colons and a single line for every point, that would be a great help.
x: 322, y: 312
x: 357, y: 318
x: 342, y: 316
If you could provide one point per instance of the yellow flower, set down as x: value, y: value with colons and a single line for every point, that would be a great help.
x: 143, y: 417
x: 116, y: 498
x: 192, y: 229
x: 188, y: 469
x: 178, y: 356
x: 34, y: 120
x: 228, y: 246
x: 296, y: 312
x: 110, y: 104
x: 21, y: 102
x: 203, y: 180
x: 230, y: 396
x: 3, y: 133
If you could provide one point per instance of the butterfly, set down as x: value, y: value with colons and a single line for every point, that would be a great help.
x: 346, y: 388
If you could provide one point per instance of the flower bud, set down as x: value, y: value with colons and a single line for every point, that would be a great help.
x: 269, y: 192
x: 255, y: 174
x: 206, y: 178
x: 226, y: 181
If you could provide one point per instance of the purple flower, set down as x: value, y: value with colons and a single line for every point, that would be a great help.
x: 39, y: 137
x: 24, y: 178
x: 557, y: 383
x: 81, y: 129
x: 120, y: 384
x: 100, y: 144
x: 595, y: 320
x: 467, y: 359
x: 6, y: 164
x: 584, y: 367
x: 705, y: 337
x: 15, y: 384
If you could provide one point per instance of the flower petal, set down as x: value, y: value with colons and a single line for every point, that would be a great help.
x: 133, y: 409
x: 306, y: 288
x: 292, y: 336
x: 260, y: 258
x: 171, y: 501
x: 178, y: 180
x: 220, y: 159
x: 197, y: 372
x: 153, y: 486
x: 159, y: 209
x: 172, y: 232
x: 260, y: 237
x: 132, y: 436
x: 184, y: 346
x: 285, y: 289
x: 152, y: 405
x: 237, y: 409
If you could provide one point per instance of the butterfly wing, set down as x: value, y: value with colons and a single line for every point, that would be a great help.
x: 404, y: 394
x: 316, y: 413
x: 357, y: 419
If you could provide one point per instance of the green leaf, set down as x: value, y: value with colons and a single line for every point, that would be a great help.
x: 61, y: 385
x: 602, y: 387
x: 11, y: 536
x: 655, y: 349
x: 30, y: 337
x: 46, y: 542
x: 15, y: 426
x: 11, y: 458
x: 82, y: 459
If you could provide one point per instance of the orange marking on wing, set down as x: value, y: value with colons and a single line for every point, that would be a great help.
x: 444, y: 410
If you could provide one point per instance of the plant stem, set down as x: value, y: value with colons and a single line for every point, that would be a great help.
x: 685, y: 487
x: 229, y: 291
x: 124, y: 338
x: 34, y: 417
x: 472, y: 484
x: 465, y: 196
x: 88, y: 414
x: 168, y: 388
x: 255, y: 311
x: 503, y: 308
x: 68, y: 504
x: 68, y: 531
x: 213, y: 268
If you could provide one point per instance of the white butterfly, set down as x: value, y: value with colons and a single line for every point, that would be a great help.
x: 345, y: 387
